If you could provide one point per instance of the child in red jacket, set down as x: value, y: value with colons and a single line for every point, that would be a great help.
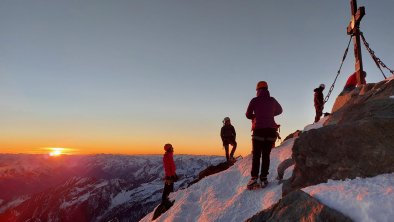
x: 169, y: 169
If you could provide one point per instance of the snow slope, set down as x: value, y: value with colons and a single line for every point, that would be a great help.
x: 223, y: 197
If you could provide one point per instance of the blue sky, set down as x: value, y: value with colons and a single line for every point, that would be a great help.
x: 129, y: 76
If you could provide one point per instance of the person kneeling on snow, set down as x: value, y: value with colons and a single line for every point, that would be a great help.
x: 170, y: 175
x: 227, y: 133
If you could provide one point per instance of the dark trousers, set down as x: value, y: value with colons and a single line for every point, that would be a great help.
x: 226, y: 147
x: 319, y: 112
x: 263, y: 141
x: 168, y: 188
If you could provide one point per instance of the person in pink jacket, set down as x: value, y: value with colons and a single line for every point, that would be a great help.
x: 169, y: 170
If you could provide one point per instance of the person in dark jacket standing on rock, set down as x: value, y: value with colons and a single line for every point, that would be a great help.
x: 170, y: 174
x: 319, y: 101
x: 261, y: 110
x: 227, y: 133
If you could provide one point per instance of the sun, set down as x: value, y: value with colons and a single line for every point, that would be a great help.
x: 56, y: 151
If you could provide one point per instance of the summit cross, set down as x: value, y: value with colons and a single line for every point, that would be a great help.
x: 354, y: 29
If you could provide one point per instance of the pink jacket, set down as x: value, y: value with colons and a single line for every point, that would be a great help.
x: 168, y: 163
x: 262, y: 109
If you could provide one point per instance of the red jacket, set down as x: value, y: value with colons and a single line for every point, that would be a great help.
x: 169, y: 165
x: 352, y: 80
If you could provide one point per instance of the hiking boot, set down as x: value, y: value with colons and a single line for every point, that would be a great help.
x: 252, y: 183
x: 167, y: 202
x: 263, y: 181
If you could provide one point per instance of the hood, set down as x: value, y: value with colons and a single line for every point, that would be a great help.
x: 318, y: 89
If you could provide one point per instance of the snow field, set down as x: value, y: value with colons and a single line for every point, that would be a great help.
x: 224, y: 197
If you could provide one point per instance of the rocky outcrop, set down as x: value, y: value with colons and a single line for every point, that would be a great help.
x: 369, y: 102
x: 212, y: 170
x: 297, y: 133
x: 356, y: 141
x: 299, y: 206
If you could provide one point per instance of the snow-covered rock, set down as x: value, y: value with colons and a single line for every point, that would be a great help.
x: 356, y: 141
x: 297, y: 206
x: 362, y: 199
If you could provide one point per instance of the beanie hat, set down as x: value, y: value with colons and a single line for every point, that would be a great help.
x: 261, y: 84
x: 167, y: 147
x: 322, y: 86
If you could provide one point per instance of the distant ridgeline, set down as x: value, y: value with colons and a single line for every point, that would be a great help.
x: 88, y: 188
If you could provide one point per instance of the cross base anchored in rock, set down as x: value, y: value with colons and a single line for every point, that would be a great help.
x: 354, y: 29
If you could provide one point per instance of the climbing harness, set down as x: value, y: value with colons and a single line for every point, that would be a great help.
x: 377, y: 61
x: 339, y: 70
x: 260, y: 138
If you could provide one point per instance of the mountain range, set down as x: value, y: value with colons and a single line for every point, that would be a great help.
x: 88, y: 188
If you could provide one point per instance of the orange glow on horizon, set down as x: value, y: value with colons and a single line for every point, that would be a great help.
x: 210, y: 145
x: 140, y: 149
x: 56, y: 152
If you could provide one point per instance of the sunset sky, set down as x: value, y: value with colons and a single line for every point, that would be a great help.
x: 98, y: 76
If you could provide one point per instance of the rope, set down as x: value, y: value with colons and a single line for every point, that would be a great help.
x: 339, y: 71
x: 377, y: 61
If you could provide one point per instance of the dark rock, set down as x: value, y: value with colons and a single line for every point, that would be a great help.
x: 286, y: 187
x: 212, y: 170
x: 357, y: 141
x: 292, y: 135
x: 299, y: 206
x: 371, y: 101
